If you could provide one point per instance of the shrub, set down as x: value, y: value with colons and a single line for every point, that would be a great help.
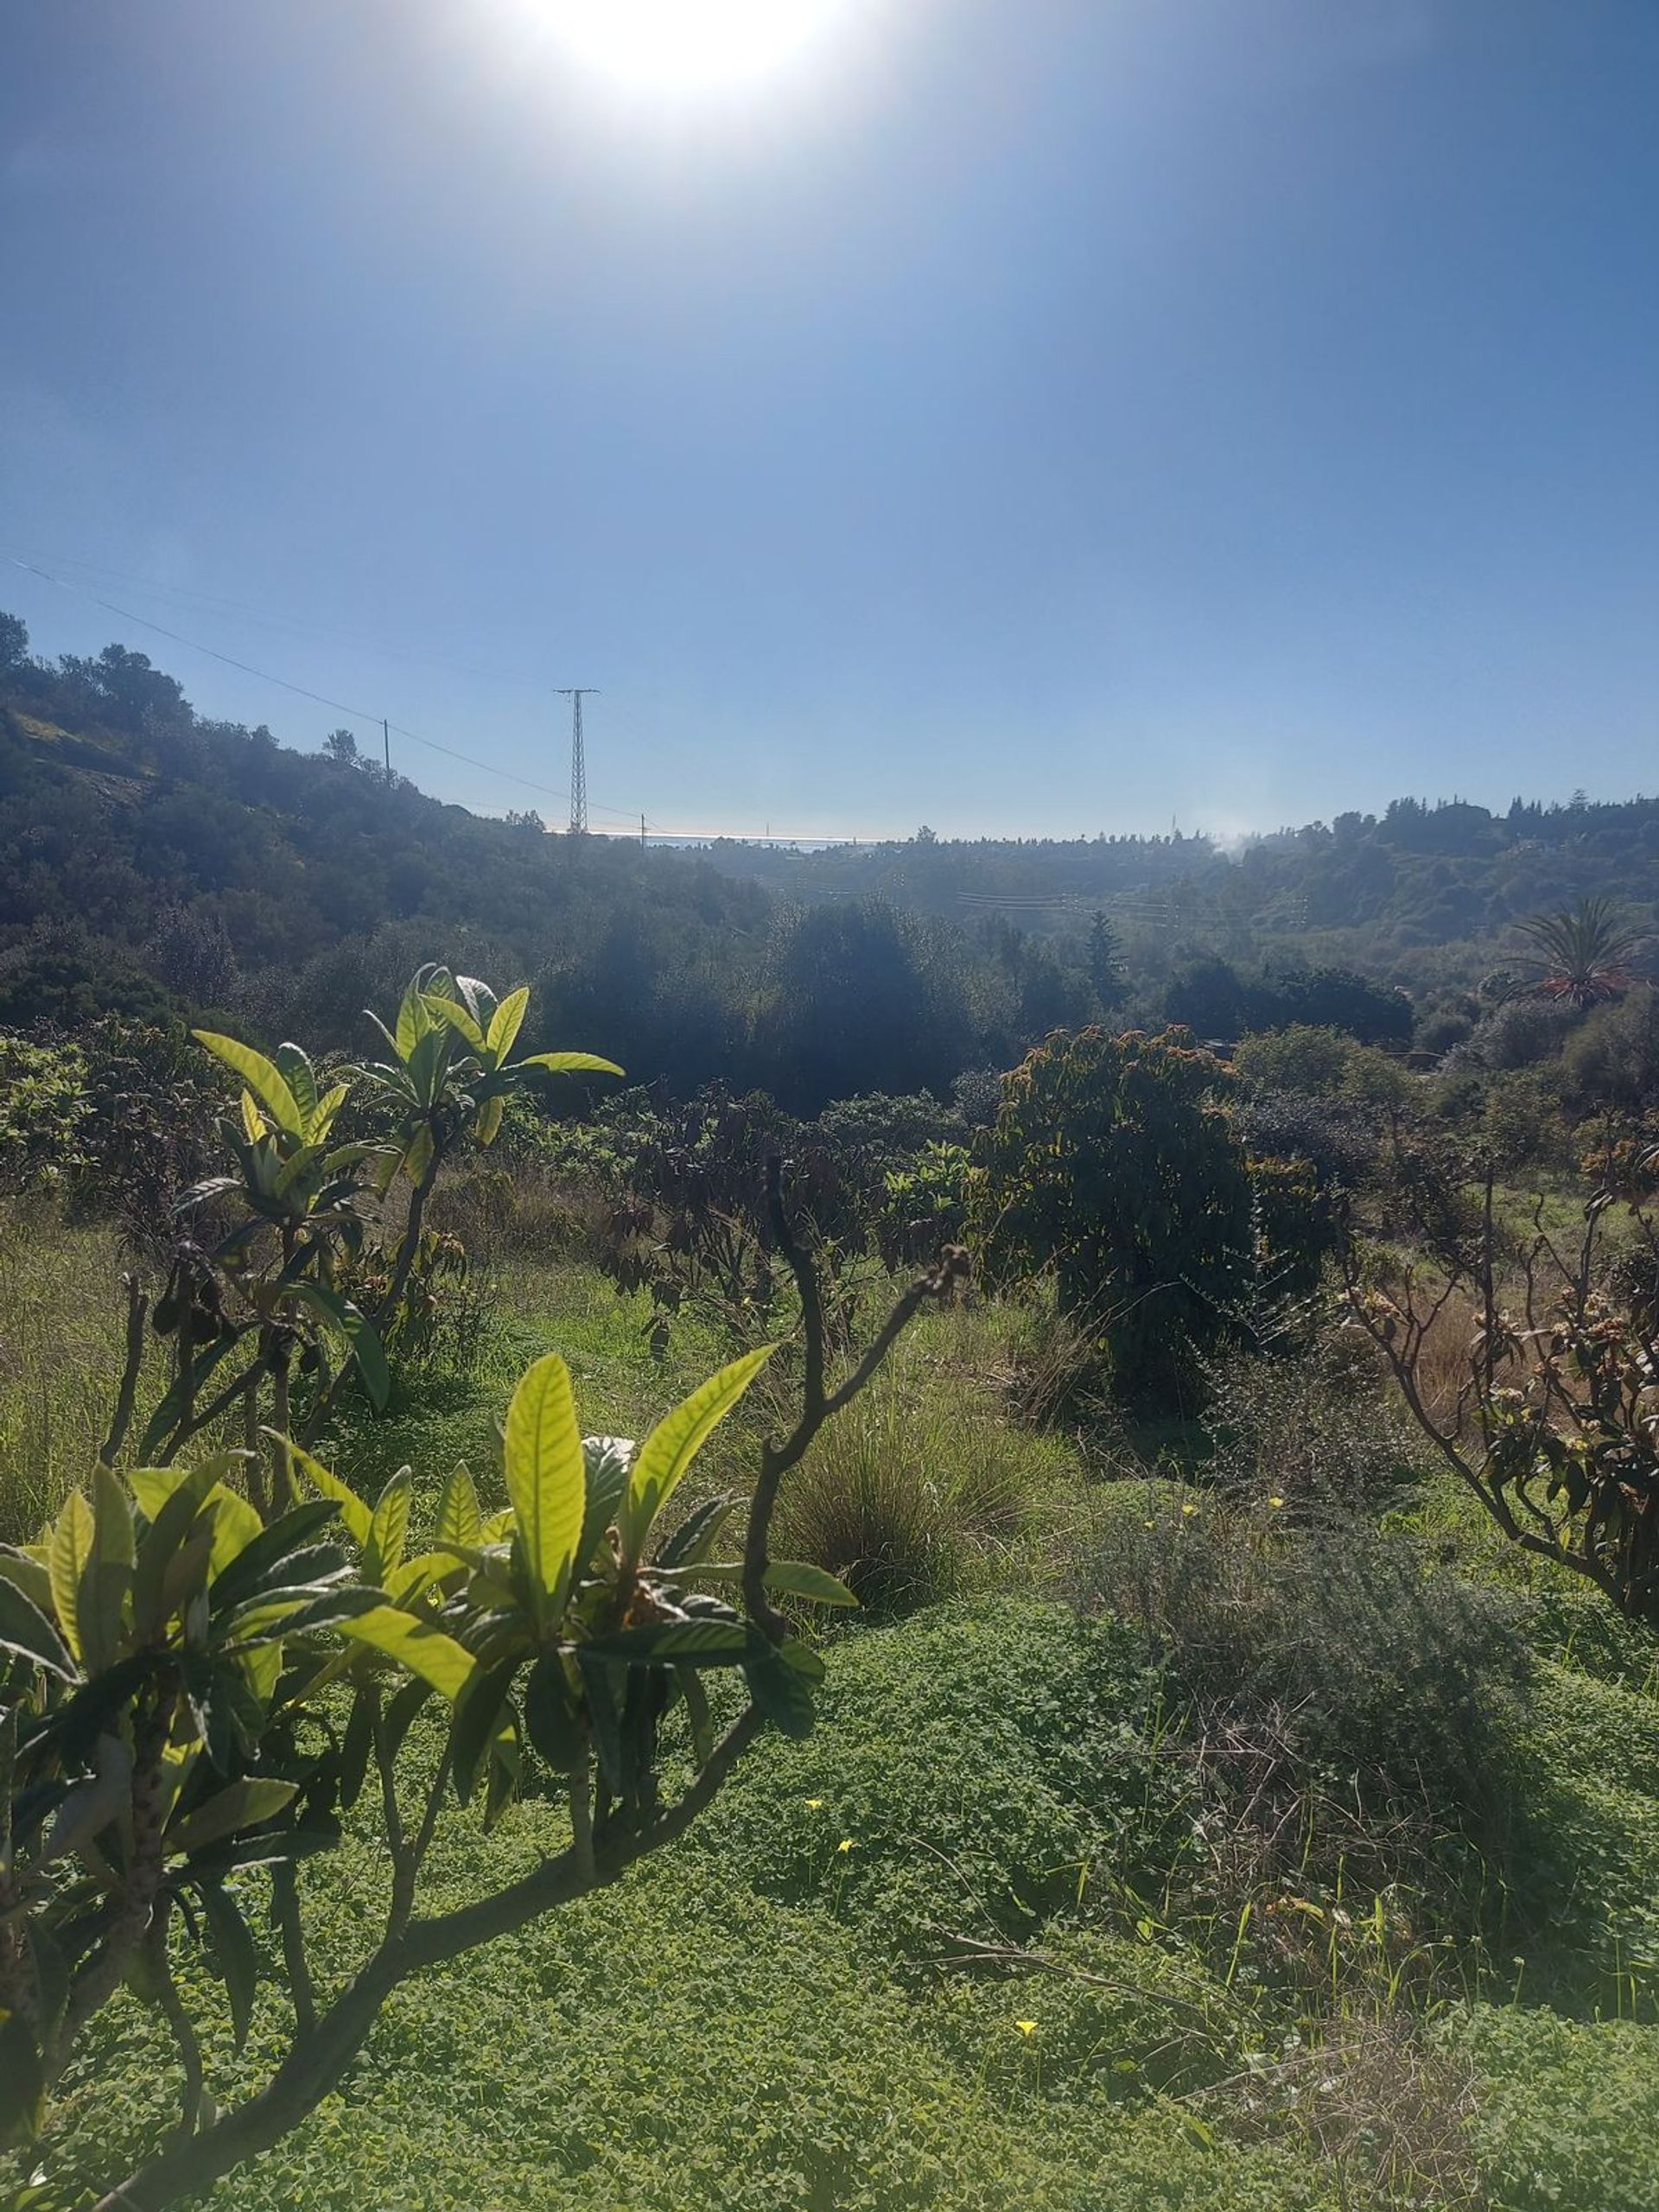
x: 923, y: 1205
x: 1612, y: 1059
x: 1309, y: 1433
x: 1111, y: 1163
x: 1336, y: 1137
x: 1343, y: 1697
x: 1312, y: 1062
x: 1516, y: 1034
x: 1550, y: 1426
x: 42, y: 1111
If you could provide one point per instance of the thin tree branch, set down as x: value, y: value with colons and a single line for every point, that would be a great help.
x: 121, y: 1421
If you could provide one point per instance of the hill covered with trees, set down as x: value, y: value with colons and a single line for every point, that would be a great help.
x: 151, y: 859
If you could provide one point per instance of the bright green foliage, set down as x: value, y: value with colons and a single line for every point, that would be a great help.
x: 302, y: 1264
x: 1112, y: 1164
x: 193, y: 1690
x: 451, y: 1065
x: 149, y: 1643
x: 1324, y: 1064
x: 923, y: 1205
x: 43, y: 1107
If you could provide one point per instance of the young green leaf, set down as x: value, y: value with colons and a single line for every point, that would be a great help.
x: 571, y: 1064
x: 607, y: 1460
x: 236, y: 1524
x: 786, y: 1577
x: 546, y: 1479
x: 72, y: 1540
x: 459, y: 1019
x: 353, y: 1510
x: 389, y: 1528
x: 239, y: 1961
x: 106, y: 1578
x: 675, y: 1442
x: 425, y: 1650
x: 505, y: 1025
x: 798, y: 1578
x: 295, y: 1067
x: 413, y: 1021
x: 266, y: 1081
x: 359, y: 1333
x: 25, y: 1628
x: 160, y: 1544
x: 29, y: 1575
x: 458, y: 1520
x: 478, y: 1714
x: 691, y: 1643
x: 274, y: 1559
x: 417, y: 1155
x: 781, y: 1694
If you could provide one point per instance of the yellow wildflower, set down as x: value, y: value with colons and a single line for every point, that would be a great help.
x: 846, y: 1844
x: 1027, y: 2027
x: 814, y: 1804
x: 1189, y: 1510
x: 1277, y: 1503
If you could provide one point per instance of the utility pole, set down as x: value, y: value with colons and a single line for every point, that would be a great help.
x: 575, y: 693
x: 642, y: 833
x: 385, y: 739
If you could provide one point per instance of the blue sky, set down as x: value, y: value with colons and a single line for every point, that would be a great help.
x: 1023, y: 415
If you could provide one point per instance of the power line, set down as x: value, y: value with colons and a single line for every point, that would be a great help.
x: 629, y: 814
x: 299, y: 690
x: 101, y: 571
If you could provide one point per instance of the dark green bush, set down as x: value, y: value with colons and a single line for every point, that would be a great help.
x: 1112, y: 1167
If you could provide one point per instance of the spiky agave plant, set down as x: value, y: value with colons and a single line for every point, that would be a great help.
x: 1582, y: 955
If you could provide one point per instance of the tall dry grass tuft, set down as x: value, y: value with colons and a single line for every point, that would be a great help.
x: 1444, y: 1368
x: 907, y: 1500
x: 1388, y: 2110
x: 523, y: 1213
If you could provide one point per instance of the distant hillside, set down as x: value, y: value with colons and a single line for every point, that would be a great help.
x: 1371, y: 889
x: 150, y: 860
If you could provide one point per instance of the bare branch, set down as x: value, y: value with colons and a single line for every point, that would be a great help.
x: 121, y: 1421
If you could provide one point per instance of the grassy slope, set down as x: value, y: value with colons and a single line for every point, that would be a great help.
x: 753, y: 2022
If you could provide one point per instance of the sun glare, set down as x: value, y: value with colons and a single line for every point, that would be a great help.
x: 680, y: 47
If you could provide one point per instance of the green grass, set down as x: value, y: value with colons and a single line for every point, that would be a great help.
x: 61, y: 1312
x: 757, y: 2020
x: 762, y: 2020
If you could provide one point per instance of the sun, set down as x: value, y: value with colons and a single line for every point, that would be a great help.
x: 676, y: 47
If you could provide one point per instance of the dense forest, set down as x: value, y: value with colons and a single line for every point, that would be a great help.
x: 151, y: 859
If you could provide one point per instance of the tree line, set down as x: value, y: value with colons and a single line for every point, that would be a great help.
x: 157, y: 864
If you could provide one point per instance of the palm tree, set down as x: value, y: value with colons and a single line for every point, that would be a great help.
x: 1582, y: 955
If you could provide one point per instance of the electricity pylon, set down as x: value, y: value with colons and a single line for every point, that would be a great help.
x: 575, y: 694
